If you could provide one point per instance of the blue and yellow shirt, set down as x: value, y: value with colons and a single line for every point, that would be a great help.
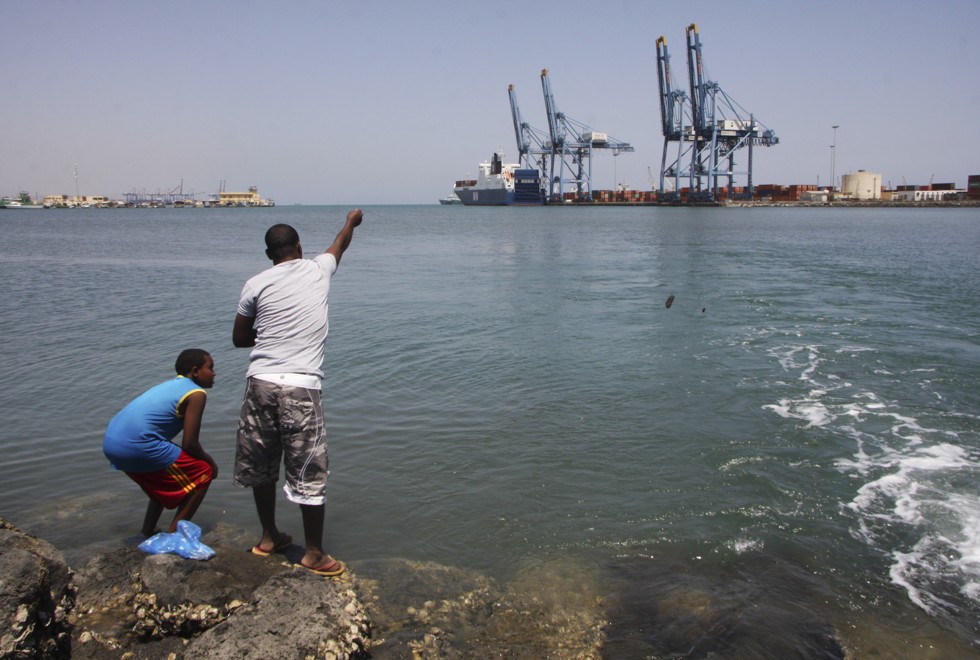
x: 138, y: 438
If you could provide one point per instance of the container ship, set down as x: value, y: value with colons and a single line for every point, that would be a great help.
x: 500, y: 184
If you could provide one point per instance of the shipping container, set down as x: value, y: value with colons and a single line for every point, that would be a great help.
x: 973, y: 186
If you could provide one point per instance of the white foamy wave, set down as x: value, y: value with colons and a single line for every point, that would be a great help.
x: 811, y: 407
x: 735, y: 462
x: 919, y: 503
x: 790, y: 358
x: 967, y: 544
x: 927, y: 494
x: 855, y: 349
x: 742, y: 546
x: 930, y: 562
x: 907, y: 474
x: 902, y: 573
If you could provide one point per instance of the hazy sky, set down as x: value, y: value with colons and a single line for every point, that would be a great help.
x: 377, y: 101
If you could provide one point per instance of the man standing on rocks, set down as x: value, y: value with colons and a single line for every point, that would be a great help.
x: 282, y: 315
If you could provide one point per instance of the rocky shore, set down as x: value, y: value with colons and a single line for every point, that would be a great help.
x: 126, y: 604
x: 121, y: 603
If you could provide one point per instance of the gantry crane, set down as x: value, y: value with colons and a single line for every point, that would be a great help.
x: 571, y: 144
x: 708, y: 136
x: 672, y: 119
x: 531, y: 149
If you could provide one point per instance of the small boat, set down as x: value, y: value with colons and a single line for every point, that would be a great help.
x: 451, y: 198
x: 23, y: 201
x: 15, y: 204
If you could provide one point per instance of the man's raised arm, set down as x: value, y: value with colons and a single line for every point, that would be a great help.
x: 346, y: 234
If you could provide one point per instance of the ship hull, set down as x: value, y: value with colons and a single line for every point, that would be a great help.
x: 526, y: 193
x: 485, y: 196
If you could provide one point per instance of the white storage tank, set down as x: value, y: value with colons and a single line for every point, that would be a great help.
x: 861, y: 185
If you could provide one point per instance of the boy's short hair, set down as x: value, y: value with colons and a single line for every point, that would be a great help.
x: 190, y: 358
x: 280, y: 241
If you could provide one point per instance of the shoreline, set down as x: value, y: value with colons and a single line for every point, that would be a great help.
x: 627, y: 604
x: 724, y: 203
x: 969, y: 203
x: 727, y: 203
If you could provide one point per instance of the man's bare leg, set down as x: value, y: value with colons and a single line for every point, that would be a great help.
x: 265, y: 506
x: 313, y: 531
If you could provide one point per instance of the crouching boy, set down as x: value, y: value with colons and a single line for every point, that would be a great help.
x: 138, y: 441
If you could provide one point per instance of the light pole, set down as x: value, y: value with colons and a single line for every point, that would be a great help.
x: 833, y: 159
x: 831, y: 169
x: 615, y: 175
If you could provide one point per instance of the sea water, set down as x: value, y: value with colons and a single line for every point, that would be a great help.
x: 788, y: 453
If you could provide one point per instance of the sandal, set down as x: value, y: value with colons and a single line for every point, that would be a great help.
x: 284, y: 542
x: 330, y: 567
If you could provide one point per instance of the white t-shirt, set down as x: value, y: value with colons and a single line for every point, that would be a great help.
x: 289, y: 304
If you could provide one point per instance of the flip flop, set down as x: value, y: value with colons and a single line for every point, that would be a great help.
x: 284, y: 542
x: 330, y: 567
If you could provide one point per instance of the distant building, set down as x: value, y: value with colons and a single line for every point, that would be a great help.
x: 55, y: 200
x: 925, y: 195
x: 818, y: 196
x: 88, y: 200
x: 861, y: 185
x: 71, y: 201
x: 250, y: 198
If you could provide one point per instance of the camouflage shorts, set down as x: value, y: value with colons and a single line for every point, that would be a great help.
x: 282, y: 424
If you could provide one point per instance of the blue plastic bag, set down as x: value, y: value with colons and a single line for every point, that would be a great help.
x: 186, y: 542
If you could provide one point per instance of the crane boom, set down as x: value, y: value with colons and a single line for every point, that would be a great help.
x: 695, y: 69
x: 663, y: 78
x: 531, y: 142
x: 554, y: 128
x: 522, y: 145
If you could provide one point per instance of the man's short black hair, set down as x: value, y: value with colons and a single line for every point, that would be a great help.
x: 190, y: 358
x: 280, y: 241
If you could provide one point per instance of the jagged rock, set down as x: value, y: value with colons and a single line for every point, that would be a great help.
x: 416, y: 608
x: 426, y: 610
x: 165, y: 607
x: 176, y: 596
x: 37, y: 595
x: 104, y: 617
x: 294, y: 613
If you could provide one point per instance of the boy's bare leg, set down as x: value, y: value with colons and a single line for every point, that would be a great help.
x: 153, y: 511
x: 188, y: 507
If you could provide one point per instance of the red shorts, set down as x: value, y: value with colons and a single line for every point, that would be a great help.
x: 171, y: 485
